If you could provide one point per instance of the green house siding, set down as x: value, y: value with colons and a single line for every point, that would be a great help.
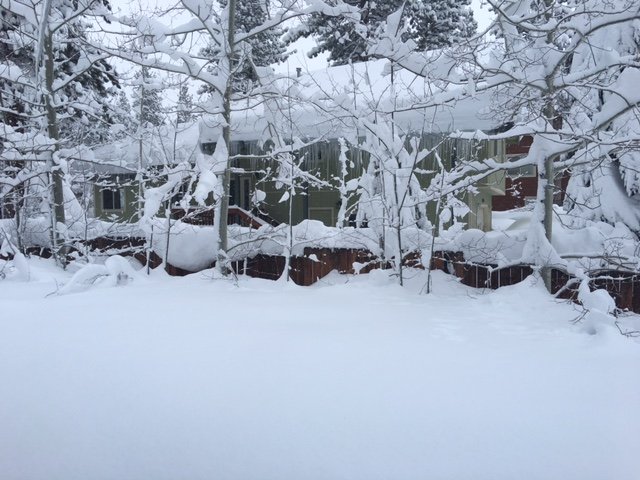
x: 309, y: 201
x: 322, y: 160
x: 126, y: 188
x: 324, y: 206
x: 255, y: 170
x: 278, y: 210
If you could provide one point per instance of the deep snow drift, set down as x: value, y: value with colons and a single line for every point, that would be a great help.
x: 193, y: 378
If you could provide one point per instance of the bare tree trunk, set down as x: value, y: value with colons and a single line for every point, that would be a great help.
x: 435, y: 230
x: 223, y: 243
x: 549, y: 114
x: 148, y: 250
x: 398, y: 229
x: 548, y: 176
x: 140, y: 205
x: 166, y: 251
x: 548, y: 214
x: 18, y: 207
x: 289, y: 247
x: 53, y: 131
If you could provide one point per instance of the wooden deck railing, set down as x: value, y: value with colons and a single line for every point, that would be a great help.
x: 235, y: 216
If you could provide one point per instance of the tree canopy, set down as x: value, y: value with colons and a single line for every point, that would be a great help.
x: 431, y: 24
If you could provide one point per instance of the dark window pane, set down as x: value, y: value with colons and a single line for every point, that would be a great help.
x: 246, y: 197
x: 111, y: 200
x: 233, y: 195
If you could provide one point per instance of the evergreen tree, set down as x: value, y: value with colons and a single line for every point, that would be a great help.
x: 84, y: 79
x: 122, y: 117
x: 54, y: 89
x: 185, y: 105
x: 13, y: 56
x: 440, y: 23
x: 147, y: 102
x: 430, y: 23
x: 262, y: 50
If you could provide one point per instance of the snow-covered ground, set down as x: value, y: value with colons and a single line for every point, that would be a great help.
x: 354, y: 378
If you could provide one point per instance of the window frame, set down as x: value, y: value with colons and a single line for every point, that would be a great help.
x: 119, y: 197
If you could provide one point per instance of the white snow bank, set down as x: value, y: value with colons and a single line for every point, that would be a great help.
x: 189, y: 378
x: 16, y: 269
x: 115, y: 271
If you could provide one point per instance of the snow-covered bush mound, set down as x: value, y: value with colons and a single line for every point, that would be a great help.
x: 15, y: 269
x: 598, y: 305
x: 115, y: 271
x: 193, y: 247
x: 190, y: 247
x: 591, y: 245
x: 35, y: 231
x: 13, y: 264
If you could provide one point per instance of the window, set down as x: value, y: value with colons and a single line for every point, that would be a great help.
x: 240, y: 192
x: 246, y: 194
x: 233, y: 195
x: 112, y: 199
x: 177, y: 197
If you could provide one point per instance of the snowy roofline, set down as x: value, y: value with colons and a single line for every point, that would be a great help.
x: 328, y: 103
x: 325, y: 104
x: 122, y: 156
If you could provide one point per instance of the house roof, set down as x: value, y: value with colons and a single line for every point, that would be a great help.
x: 164, y: 145
x: 329, y: 102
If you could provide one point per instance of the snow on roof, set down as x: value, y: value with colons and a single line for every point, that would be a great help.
x: 328, y: 103
x: 162, y: 146
x: 596, y: 245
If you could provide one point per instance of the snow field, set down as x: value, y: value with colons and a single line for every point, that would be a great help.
x: 192, y: 378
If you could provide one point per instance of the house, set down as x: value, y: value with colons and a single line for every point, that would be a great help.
x: 321, y: 108
x: 123, y: 168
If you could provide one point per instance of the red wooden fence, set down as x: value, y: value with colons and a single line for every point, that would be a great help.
x: 315, y: 263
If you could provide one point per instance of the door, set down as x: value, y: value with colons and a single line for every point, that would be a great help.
x: 240, y: 192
